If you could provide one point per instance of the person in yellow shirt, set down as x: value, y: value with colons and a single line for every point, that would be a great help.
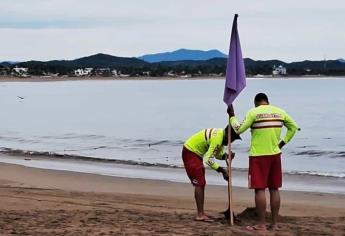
x: 266, y: 123
x: 205, y: 147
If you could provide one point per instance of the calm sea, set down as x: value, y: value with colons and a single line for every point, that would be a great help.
x: 148, y: 121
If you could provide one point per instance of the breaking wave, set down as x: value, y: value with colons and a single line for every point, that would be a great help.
x: 68, y: 157
x: 26, y: 153
x: 321, y: 153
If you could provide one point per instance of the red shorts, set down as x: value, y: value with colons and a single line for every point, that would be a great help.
x: 265, y: 172
x: 194, y: 167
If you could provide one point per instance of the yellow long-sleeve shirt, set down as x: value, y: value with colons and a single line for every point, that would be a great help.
x: 266, y: 122
x: 207, y: 144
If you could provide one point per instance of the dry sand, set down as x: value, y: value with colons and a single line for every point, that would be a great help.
x: 47, y: 202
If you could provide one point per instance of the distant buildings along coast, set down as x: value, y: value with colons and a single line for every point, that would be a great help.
x: 102, y: 65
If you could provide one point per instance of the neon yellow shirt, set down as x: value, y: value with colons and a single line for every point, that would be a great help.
x: 266, y: 122
x: 207, y: 144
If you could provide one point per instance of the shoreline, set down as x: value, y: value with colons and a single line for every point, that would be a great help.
x: 120, y: 168
x: 58, y: 79
x: 64, y: 202
x: 28, y: 177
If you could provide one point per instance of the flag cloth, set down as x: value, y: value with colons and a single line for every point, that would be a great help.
x: 235, y: 80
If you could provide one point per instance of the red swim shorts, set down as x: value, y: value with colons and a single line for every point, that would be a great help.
x: 265, y: 172
x: 194, y: 167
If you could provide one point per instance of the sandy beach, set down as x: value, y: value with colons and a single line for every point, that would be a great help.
x: 155, y: 118
x: 48, y: 202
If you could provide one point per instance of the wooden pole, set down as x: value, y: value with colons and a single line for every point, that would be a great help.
x: 231, y: 222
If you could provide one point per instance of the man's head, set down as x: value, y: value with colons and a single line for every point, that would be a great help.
x: 261, y: 99
x: 234, y: 135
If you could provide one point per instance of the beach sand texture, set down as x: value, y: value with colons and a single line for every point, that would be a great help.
x: 47, y: 202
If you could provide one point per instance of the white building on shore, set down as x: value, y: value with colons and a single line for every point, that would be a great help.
x: 83, y: 72
x: 20, y: 72
x: 279, y: 71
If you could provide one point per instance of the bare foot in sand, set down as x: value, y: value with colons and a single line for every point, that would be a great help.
x: 257, y: 228
x: 274, y: 227
x: 203, y: 218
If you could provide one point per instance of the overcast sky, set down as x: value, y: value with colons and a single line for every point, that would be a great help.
x: 269, y: 29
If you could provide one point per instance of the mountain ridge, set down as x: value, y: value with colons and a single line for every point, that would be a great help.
x: 96, y: 60
x: 134, y: 66
x: 183, y: 54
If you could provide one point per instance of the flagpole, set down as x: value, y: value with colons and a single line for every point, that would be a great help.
x: 235, y: 82
x: 231, y: 222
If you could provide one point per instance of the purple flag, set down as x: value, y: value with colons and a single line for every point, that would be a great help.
x: 235, y: 80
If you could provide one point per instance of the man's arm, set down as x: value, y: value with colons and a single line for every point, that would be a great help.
x: 214, y: 150
x: 210, y: 157
x: 238, y: 127
x: 291, y: 126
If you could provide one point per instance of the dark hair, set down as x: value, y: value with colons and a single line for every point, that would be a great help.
x: 234, y: 135
x: 261, y: 97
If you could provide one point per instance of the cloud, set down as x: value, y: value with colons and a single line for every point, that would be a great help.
x: 85, y: 23
x: 57, y: 29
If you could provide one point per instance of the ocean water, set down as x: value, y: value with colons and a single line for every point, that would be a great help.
x: 148, y: 121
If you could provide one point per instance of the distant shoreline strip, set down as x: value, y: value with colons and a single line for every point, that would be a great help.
x: 57, y: 156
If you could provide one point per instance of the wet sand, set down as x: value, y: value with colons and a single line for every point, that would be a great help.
x: 48, y: 202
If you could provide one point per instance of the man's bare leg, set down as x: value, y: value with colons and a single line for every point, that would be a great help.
x: 260, y: 203
x: 199, y: 194
x: 275, y: 206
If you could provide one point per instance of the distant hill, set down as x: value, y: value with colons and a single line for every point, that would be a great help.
x: 8, y: 63
x: 183, y: 54
x: 341, y: 60
x: 98, y: 60
x: 104, y: 60
x: 134, y: 66
x: 5, y: 64
x: 222, y: 62
x: 253, y: 67
x: 194, y: 63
